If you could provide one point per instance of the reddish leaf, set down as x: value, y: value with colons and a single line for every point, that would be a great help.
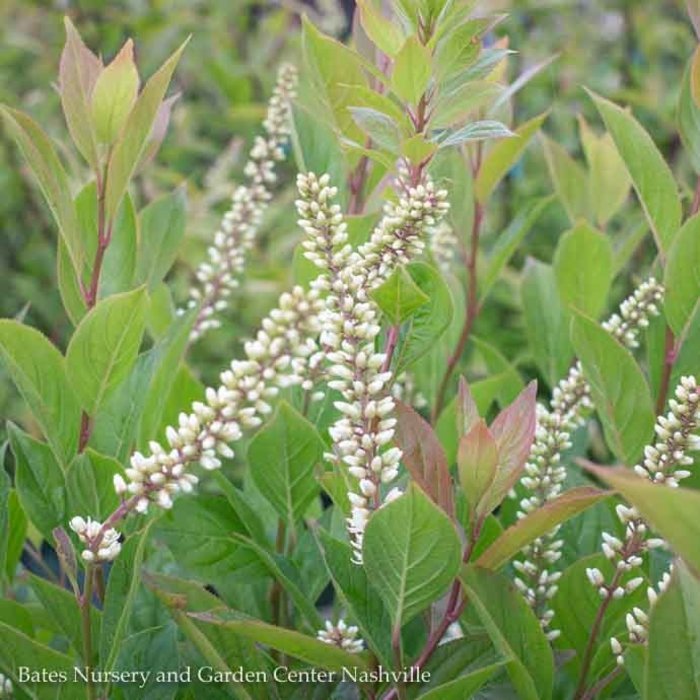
x: 159, y: 129
x: 423, y: 456
x: 467, y: 411
x: 539, y: 522
x: 477, y: 462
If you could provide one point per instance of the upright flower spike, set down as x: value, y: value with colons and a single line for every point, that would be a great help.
x: 226, y: 257
x: 664, y: 464
x: 544, y: 473
x: 351, y: 325
x: 443, y: 245
x: 341, y: 635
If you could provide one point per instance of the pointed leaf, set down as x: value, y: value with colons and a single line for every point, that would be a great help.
x: 477, y: 464
x: 412, y: 71
x: 399, y: 296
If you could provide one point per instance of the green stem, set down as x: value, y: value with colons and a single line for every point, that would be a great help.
x: 85, y: 603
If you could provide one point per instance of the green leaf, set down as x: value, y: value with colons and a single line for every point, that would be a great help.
x: 90, y: 485
x: 652, y: 178
x: 382, y: 31
x: 162, y: 226
x: 464, y: 686
x: 608, y: 179
x: 682, y: 278
x: 300, y: 646
x: 380, y: 127
x: 568, y: 178
x: 504, y: 155
x: 673, y: 660
x: 71, y: 296
x: 618, y: 389
x: 5, y: 491
x: 130, y: 147
x: 423, y: 456
x: 689, y: 111
x: 282, y: 458
x: 105, y: 345
x: 18, y: 650
x: 514, y: 630
x: 78, y: 71
x: 38, y: 370
x: 40, y: 481
x: 16, y: 533
x: 412, y: 70
x: 497, y: 364
x: 538, y: 523
x: 429, y: 321
x: 114, y: 94
x: 583, y: 269
x: 122, y: 587
x: 477, y: 464
x: 359, y: 598
x: 672, y: 512
x: 546, y: 321
x: 398, y: 296
x: 411, y: 552
x: 477, y: 131
x: 62, y: 609
x: 39, y: 153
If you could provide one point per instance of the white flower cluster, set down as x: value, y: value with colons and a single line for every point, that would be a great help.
x: 544, y: 473
x: 443, y: 245
x: 350, y: 326
x: 341, y: 635
x: 226, y: 257
x: 102, y: 542
x: 5, y: 687
x: 405, y: 389
x: 662, y: 461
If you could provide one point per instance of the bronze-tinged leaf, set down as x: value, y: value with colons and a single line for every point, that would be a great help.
x: 423, y: 456
x: 477, y: 463
x: 467, y: 411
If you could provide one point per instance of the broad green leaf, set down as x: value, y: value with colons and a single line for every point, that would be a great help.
x: 129, y: 148
x: 161, y: 225
x: 459, y: 50
x: 283, y: 457
x: 300, y: 646
x: 198, y: 531
x: 463, y: 103
x: 382, y: 31
x: 5, y: 491
x: 688, y: 114
x: 608, y: 179
x: 380, y: 127
x: 464, y: 686
x: 449, y: 166
x: 509, y: 241
x: 497, y: 364
x: 429, y: 321
x: 359, y: 597
x: 503, y: 156
x: 477, y: 131
x: 122, y: 587
x: 514, y: 630
x: 104, y: 347
x: 39, y: 480
x: 39, y: 371
x: 673, y: 661
x: 568, y: 178
x: 583, y: 263
x: 673, y: 512
x: 423, y: 456
x: 18, y: 616
x: 546, y: 321
x: 651, y: 176
x: 412, y: 70
x: 62, y: 609
x: 90, y: 485
x: 411, y: 552
x: 78, y: 71
x: 71, y: 296
x: 538, y: 523
x: 114, y: 94
x: 39, y: 153
x: 477, y: 464
x: 16, y: 532
x: 18, y: 650
x: 398, y: 296
x: 618, y: 389
x: 682, y: 277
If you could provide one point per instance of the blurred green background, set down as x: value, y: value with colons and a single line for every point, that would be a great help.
x: 631, y: 51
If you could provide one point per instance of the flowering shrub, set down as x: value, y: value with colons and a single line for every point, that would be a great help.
x: 376, y: 498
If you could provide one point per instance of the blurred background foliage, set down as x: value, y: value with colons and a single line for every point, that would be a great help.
x: 630, y: 51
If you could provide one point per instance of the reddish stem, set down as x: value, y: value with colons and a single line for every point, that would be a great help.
x: 670, y: 355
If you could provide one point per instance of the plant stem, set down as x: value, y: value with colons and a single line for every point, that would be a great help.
x: 398, y: 662
x: 472, y: 310
x: 85, y: 603
x: 670, y: 355
x: 602, y: 683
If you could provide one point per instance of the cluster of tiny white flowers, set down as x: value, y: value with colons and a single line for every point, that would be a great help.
x: 102, y: 542
x: 5, y: 687
x: 676, y: 434
x: 341, y: 635
x: 350, y: 326
x: 544, y: 473
x: 404, y: 389
x: 218, y: 276
x: 443, y: 245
